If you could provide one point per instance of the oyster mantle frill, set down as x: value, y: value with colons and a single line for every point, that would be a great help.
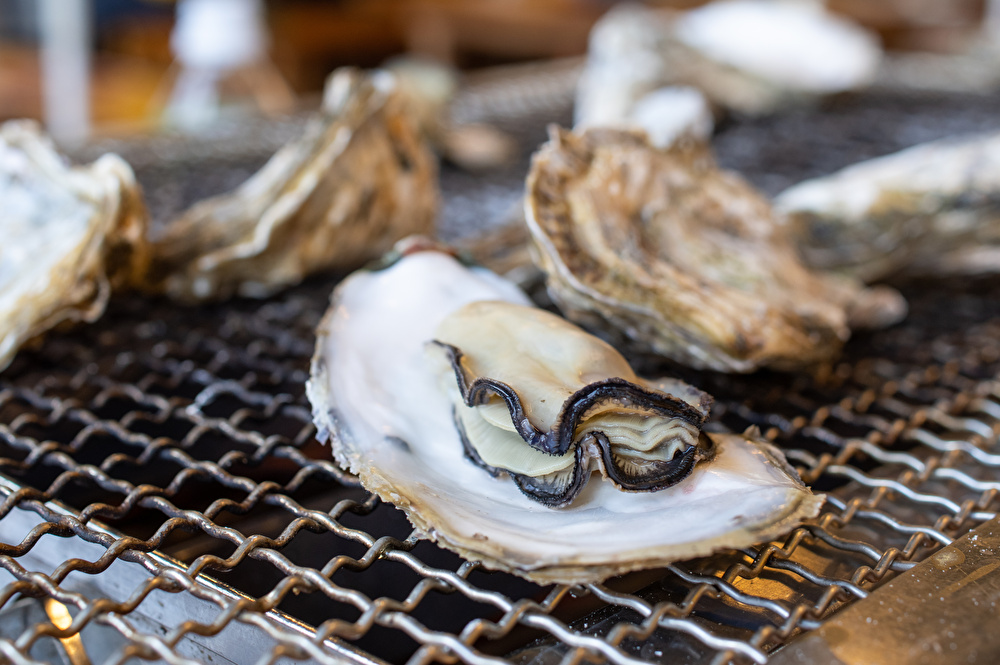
x: 375, y: 388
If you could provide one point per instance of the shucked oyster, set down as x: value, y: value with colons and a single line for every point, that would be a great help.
x: 388, y: 397
x: 68, y: 235
x: 664, y: 249
x: 359, y: 179
x: 536, y: 397
x: 933, y: 209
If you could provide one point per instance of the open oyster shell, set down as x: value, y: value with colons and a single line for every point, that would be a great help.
x: 358, y: 179
x: 933, y: 209
x: 68, y: 235
x: 662, y: 248
x: 752, y: 56
x: 376, y: 395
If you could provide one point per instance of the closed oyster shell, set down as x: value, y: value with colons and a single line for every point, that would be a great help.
x: 69, y: 235
x: 358, y: 179
x: 933, y: 209
x: 662, y: 248
x: 374, y: 389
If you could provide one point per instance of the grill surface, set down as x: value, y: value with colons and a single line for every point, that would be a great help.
x: 161, y: 480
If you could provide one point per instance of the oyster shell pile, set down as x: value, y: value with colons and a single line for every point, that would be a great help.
x: 359, y: 179
x: 471, y: 427
x: 662, y: 248
x: 68, y: 235
x: 933, y: 209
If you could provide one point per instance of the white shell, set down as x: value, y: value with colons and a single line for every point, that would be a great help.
x: 376, y: 397
x: 933, y: 209
x: 68, y: 235
x: 794, y: 45
x: 748, y: 55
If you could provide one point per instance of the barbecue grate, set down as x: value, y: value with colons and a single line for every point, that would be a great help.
x: 164, y: 497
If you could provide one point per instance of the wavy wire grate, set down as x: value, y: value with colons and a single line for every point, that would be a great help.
x: 190, y: 459
x: 164, y: 499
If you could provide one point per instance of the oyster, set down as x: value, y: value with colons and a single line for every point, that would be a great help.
x: 387, y: 397
x: 70, y: 235
x: 754, y: 55
x: 749, y: 55
x: 358, y: 179
x: 663, y: 249
x: 933, y: 209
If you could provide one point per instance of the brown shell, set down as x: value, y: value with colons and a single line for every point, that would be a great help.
x: 664, y: 249
x: 358, y: 179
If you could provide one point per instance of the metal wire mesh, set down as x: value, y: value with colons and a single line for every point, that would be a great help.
x: 161, y: 482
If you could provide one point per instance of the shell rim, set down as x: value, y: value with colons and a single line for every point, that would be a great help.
x: 802, y: 504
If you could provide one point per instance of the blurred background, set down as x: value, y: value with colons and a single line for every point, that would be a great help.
x: 121, y: 66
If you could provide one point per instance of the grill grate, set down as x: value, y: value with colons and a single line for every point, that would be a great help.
x: 161, y: 481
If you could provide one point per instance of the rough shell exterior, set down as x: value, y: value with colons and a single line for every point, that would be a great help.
x: 933, y: 209
x: 70, y: 235
x: 665, y: 250
x: 359, y: 179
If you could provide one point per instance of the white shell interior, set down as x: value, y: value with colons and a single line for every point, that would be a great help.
x: 54, y: 223
x: 791, y: 43
x: 43, y: 221
x: 373, y: 389
x: 944, y: 169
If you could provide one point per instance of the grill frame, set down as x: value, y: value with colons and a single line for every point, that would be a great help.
x: 151, y: 467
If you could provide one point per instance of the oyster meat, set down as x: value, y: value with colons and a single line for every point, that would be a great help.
x: 547, y: 408
x: 456, y: 401
x: 662, y: 249
x: 933, y: 209
x: 70, y: 234
x: 358, y: 179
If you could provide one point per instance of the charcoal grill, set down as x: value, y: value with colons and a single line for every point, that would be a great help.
x: 164, y: 497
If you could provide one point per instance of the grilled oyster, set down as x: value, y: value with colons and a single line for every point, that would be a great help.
x: 933, y: 209
x: 69, y: 235
x: 376, y: 391
x: 541, y: 400
x: 358, y: 179
x: 749, y: 55
x: 755, y: 55
x: 672, y: 113
x: 662, y: 248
